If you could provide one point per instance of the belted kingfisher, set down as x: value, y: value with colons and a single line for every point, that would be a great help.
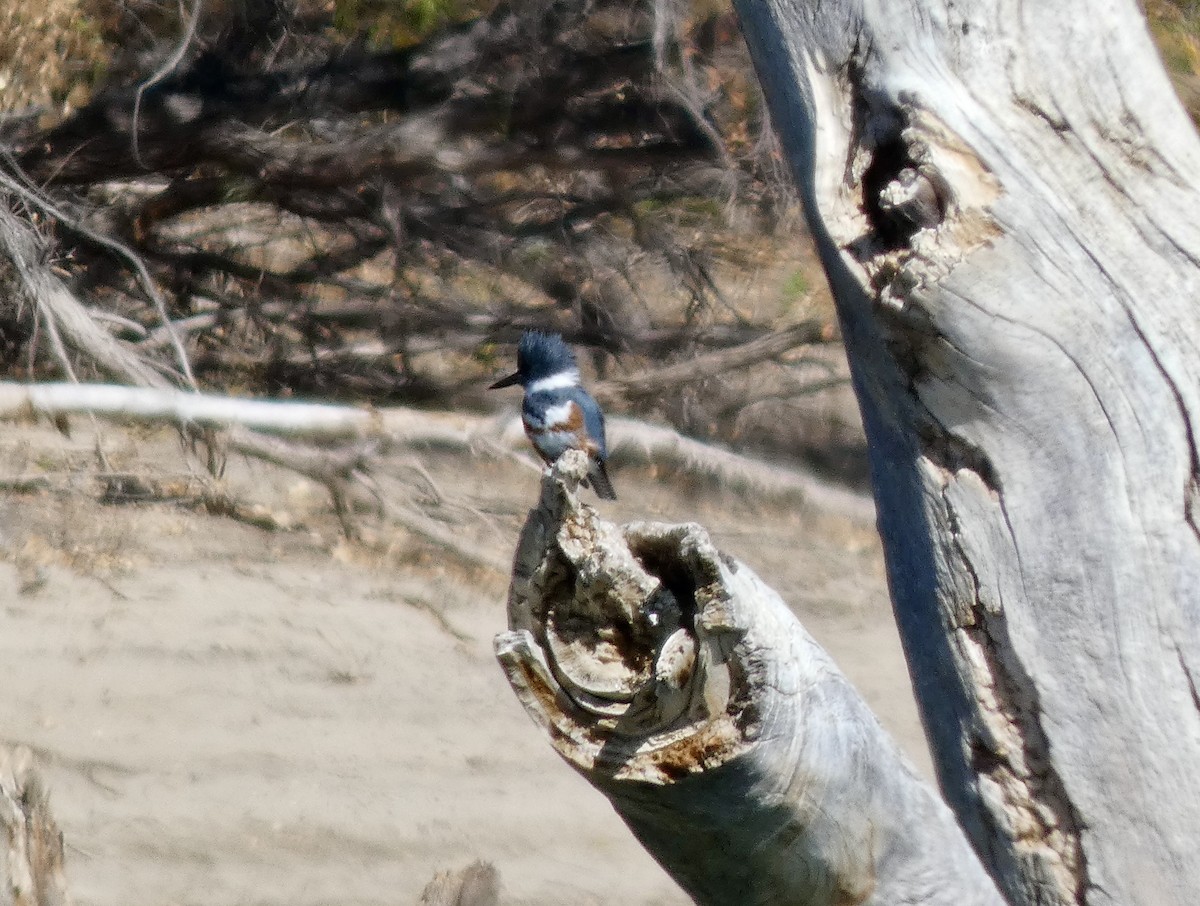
x: 558, y: 414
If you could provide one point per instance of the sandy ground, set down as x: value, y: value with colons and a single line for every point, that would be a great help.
x: 229, y: 715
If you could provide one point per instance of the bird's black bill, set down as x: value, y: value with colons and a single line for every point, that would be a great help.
x: 506, y: 382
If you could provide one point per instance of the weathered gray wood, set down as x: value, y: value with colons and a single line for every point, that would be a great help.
x: 684, y: 689
x: 31, y: 846
x: 1029, y: 377
x: 476, y: 885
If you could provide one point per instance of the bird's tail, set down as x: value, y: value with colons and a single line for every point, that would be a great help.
x: 600, y: 482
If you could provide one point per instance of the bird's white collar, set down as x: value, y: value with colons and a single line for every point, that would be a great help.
x: 559, y: 381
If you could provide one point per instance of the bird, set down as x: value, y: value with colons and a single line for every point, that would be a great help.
x: 558, y: 414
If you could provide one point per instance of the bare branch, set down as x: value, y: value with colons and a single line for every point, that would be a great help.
x: 168, y: 67
x: 38, y: 201
x: 769, y: 346
x: 44, y: 292
x: 631, y: 442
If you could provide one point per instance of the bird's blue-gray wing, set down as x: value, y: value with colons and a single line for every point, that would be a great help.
x: 593, y: 419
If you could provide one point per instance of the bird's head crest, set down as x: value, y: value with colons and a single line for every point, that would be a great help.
x: 541, y: 355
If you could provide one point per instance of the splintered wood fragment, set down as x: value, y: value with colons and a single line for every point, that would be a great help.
x: 683, y: 688
x: 31, y: 852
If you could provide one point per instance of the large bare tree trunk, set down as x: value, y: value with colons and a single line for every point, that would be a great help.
x: 1029, y: 377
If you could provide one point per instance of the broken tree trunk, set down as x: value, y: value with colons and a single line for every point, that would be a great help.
x: 1004, y: 199
x: 684, y: 689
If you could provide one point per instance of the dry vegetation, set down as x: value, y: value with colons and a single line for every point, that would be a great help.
x: 1176, y: 30
x: 366, y: 220
x: 52, y: 54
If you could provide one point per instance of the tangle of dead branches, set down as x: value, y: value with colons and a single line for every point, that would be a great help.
x: 256, y: 200
x: 265, y: 203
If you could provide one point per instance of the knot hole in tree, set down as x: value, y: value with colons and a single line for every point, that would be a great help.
x: 901, y: 193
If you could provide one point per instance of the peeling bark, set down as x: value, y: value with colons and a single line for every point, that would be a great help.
x: 686, y: 691
x: 1003, y: 196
